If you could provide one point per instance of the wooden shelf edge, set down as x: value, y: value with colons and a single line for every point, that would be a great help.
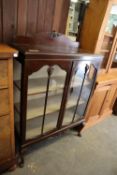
x: 105, y: 51
x: 51, y: 89
x: 109, y: 35
x: 49, y: 111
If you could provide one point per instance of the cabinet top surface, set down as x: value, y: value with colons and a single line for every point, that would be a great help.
x: 49, y: 44
x: 44, y: 45
x: 6, y: 51
x: 51, y: 52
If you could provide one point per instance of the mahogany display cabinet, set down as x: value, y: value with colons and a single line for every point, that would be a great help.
x: 53, y: 84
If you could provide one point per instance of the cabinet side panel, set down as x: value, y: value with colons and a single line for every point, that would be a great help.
x: 11, y: 123
x: 5, y: 143
x: 96, y: 103
x: 32, y: 16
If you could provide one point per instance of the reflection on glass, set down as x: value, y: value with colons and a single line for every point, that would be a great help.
x: 112, y: 19
x: 80, y: 89
x: 37, y: 83
x: 45, y: 90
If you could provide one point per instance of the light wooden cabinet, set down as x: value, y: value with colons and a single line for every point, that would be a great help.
x: 97, y: 101
x: 7, y: 145
x: 109, y: 100
x: 101, y: 103
x: 100, y: 36
x: 100, y: 31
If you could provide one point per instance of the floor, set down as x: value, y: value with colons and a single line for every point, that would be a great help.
x: 93, y: 154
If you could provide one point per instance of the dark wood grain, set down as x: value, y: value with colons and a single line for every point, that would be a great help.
x: 32, y: 16
x: 49, y: 15
x: 64, y: 16
x: 41, y: 15
x: 23, y: 17
x: 9, y: 19
x: 57, y: 15
x: 23, y: 108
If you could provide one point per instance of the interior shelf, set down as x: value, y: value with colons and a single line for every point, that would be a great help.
x: 38, y: 86
x: 104, y: 51
x: 109, y: 35
x: 69, y: 116
x: 3, y: 87
x: 36, y: 106
x: 33, y: 128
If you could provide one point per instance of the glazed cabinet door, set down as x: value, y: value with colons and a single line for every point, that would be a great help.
x: 81, y: 85
x: 45, y: 91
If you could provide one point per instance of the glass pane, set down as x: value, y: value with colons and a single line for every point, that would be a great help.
x: 112, y: 19
x: 86, y: 92
x: 57, y: 82
x: 37, y: 83
x: 79, y: 93
x: 45, y: 89
x: 33, y: 127
x: 17, y: 93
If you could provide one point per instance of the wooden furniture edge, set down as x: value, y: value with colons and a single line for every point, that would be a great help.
x: 7, y: 51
